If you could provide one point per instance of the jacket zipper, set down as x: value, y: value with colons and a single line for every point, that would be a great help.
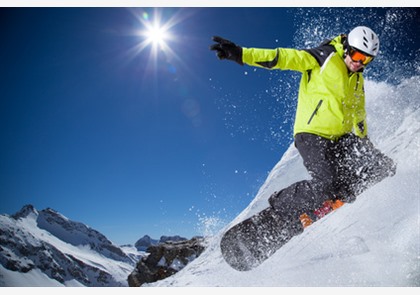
x: 316, y: 110
x: 357, y: 82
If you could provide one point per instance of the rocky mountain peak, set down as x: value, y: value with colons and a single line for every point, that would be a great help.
x: 25, y: 212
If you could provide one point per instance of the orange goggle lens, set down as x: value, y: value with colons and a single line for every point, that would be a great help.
x: 357, y: 56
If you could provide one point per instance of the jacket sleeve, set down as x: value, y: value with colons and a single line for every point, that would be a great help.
x: 279, y: 58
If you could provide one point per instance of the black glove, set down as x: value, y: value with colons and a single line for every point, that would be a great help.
x: 226, y: 49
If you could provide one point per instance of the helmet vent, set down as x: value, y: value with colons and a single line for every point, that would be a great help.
x: 366, y: 42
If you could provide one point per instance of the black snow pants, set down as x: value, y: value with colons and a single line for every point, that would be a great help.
x: 339, y: 169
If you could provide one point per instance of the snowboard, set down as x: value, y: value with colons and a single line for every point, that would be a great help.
x: 252, y: 241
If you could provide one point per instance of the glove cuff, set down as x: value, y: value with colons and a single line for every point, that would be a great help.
x: 239, y: 56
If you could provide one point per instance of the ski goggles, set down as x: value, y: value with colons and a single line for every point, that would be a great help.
x: 358, y: 56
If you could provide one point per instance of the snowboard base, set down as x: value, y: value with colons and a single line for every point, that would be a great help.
x: 249, y: 243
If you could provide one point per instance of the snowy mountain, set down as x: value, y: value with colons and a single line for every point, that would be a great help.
x: 44, y: 248
x: 374, y: 241
x: 146, y: 241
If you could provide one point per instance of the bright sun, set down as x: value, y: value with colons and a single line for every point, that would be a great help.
x: 155, y: 32
x: 157, y: 35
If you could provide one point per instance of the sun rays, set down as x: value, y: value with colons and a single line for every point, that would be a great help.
x: 156, y: 33
x: 160, y: 37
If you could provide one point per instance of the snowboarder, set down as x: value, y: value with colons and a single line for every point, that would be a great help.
x: 330, y: 130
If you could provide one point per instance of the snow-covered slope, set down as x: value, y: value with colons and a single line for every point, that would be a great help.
x: 373, y: 242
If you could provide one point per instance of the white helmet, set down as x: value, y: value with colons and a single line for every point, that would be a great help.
x: 365, y: 40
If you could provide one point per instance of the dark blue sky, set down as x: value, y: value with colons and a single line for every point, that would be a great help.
x: 130, y: 141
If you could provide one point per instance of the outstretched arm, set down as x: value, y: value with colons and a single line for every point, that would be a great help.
x: 279, y: 58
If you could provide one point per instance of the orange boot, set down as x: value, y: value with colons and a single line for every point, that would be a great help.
x: 337, y: 204
x: 326, y: 208
x: 305, y: 220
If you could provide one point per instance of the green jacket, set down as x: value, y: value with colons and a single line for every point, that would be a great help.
x: 331, y: 99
